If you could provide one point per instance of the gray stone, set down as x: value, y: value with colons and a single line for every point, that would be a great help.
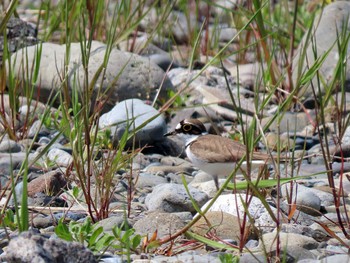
x: 319, y: 171
x: 315, y: 231
x: 207, y: 186
x: 276, y: 141
x: 298, y: 216
x: 41, y: 221
x: 114, y: 220
x: 223, y: 226
x: 336, y: 258
x: 181, y: 27
x: 142, y: 47
x: 164, y: 61
x: 166, y: 169
x: 60, y: 157
x: 251, y: 244
x: 37, y: 128
x: 221, y: 10
x: 71, y: 216
x: 30, y: 247
x: 250, y: 257
x: 177, y: 178
x: 19, y: 34
x: 309, y: 203
x: 325, y: 198
x: 149, y: 180
x: 232, y: 204
x: 178, y: 25
x: 140, y: 161
x: 291, y: 122
x: 127, y: 75
x: 201, y: 177
x: 27, y: 110
x: 9, y: 146
x: 345, y: 184
x: 44, y: 200
x: 18, y: 193
x: 174, y: 198
x: 174, y: 161
x: 11, y: 161
x: 309, y: 260
x: 313, y: 169
x: 184, y: 216
x: 287, y: 240
x: 346, y: 137
x: 225, y: 34
x: 210, y: 88
x: 164, y: 223
x: 189, y: 256
x: 50, y: 183
x: 4, y: 181
x: 329, y: 25
x: 246, y: 74
x: 112, y: 259
x: 292, y: 253
x: 43, y: 141
x: 132, y: 114
x: 341, y: 152
x: 52, y: 60
x: 338, y: 249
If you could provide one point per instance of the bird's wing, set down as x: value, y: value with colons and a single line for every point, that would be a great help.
x: 221, y: 149
x: 217, y: 149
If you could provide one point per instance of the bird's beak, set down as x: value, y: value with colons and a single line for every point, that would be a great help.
x: 170, y: 133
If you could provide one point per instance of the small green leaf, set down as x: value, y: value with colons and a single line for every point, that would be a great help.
x: 95, y: 235
x: 153, y: 244
x: 136, y: 241
x: 103, y: 242
x: 62, y: 231
x: 228, y: 258
x: 10, y: 220
x: 75, y: 192
x: 127, y: 234
x: 116, y: 231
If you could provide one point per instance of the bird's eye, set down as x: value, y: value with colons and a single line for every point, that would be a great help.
x: 187, y: 127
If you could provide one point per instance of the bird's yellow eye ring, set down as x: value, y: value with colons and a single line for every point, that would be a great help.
x: 187, y: 127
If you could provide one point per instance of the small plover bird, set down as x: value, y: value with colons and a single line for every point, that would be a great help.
x: 214, y: 154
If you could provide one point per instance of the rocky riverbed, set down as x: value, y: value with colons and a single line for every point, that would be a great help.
x: 300, y: 220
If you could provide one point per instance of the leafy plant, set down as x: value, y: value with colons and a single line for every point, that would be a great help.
x: 96, y: 239
x: 9, y: 220
x: 228, y: 258
x: 127, y: 240
x: 85, y: 233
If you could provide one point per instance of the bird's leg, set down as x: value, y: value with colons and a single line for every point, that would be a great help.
x: 216, y: 181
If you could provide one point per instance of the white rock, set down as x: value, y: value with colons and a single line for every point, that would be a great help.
x: 230, y: 202
x: 134, y: 113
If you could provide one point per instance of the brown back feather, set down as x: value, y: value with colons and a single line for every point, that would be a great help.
x: 229, y: 150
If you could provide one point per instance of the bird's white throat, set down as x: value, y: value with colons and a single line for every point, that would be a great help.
x: 188, y: 138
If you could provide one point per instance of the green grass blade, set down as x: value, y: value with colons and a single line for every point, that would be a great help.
x: 266, y: 183
x: 210, y: 242
x: 194, y: 203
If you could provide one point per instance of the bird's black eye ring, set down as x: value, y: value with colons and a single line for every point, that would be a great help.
x: 187, y: 127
